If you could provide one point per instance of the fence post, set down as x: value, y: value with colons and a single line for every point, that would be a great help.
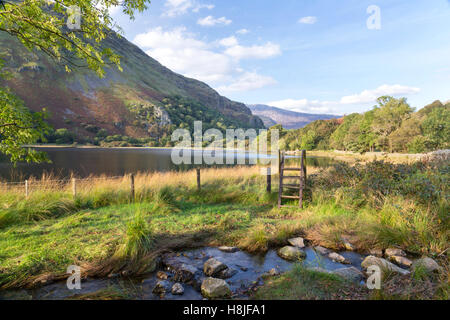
x: 74, y: 187
x: 199, y: 186
x: 269, y: 180
x: 26, y: 189
x: 304, y: 165
x: 132, y: 187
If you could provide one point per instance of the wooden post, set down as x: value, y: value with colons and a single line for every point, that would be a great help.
x: 132, y: 186
x: 269, y: 180
x: 26, y: 189
x: 304, y: 166
x: 199, y: 186
x: 302, y: 184
x: 74, y: 187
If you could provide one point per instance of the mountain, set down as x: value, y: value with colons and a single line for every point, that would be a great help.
x: 288, y: 119
x: 146, y: 100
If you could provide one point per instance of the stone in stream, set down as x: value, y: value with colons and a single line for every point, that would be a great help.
x: 384, y: 265
x: 338, y: 258
x: 350, y: 273
x: 228, y: 249
x: 177, y: 289
x: 272, y: 273
x: 226, y: 273
x: 394, y: 252
x: 321, y: 250
x: 376, y: 252
x: 213, y: 288
x: 291, y: 253
x: 161, y: 287
x: 213, y: 266
x: 297, y: 242
x: 162, y: 275
x: 184, y: 272
x: 348, y: 246
x: 401, y: 261
x: 427, y: 264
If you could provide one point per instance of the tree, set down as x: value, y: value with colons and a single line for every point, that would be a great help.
x: 42, y: 25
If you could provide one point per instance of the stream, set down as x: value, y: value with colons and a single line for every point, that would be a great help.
x: 249, y: 270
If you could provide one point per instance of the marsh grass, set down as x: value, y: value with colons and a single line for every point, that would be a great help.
x: 378, y: 205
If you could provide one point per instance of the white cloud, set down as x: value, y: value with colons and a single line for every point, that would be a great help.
x: 265, y: 51
x: 210, y: 21
x: 182, y: 52
x: 243, y: 31
x: 368, y: 96
x: 229, y: 42
x: 179, y: 7
x: 365, y: 97
x: 248, y: 81
x: 308, y: 20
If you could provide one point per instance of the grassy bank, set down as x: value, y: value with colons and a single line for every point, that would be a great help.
x: 375, y: 205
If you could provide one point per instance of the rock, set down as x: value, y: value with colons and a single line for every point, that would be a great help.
x: 177, y: 289
x: 213, y: 266
x: 384, y: 265
x: 291, y: 253
x: 428, y: 264
x: 402, y: 261
x: 185, y: 273
x: 213, y: 288
x: 272, y: 273
x: 297, y: 242
x: 181, y: 267
x: 376, y: 252
x: 322, y: 250
x: 350, y: 273
x: 245, y: 269
x: 394, y: 252
x: 161, y: 287
x: 162, y: 275
x: 318, y: 269
x: 348, y: 246
x: 226, y: 273
x: 338, y: 258
x: 228, y: 249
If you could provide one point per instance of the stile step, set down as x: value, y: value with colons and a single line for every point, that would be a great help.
x: 290, y: 197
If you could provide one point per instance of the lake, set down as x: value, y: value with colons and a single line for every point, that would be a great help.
x: 83, y: 162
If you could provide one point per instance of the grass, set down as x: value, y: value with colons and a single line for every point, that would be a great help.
x: 374, y: 205
x: 303, y: 284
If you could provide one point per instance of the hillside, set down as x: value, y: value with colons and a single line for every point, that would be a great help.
x: 393, y: 126
x: 288, y: 119
x: 142, y: 104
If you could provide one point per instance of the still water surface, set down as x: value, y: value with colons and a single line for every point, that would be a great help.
x: 113, y: 162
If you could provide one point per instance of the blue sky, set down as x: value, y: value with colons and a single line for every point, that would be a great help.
x: 304, y: 55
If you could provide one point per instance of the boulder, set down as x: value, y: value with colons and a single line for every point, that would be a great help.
x: 181, y: 267
x: 428, y: 264
x: 226, y: 273
x: 291, y: 253
x: 376, y: 252
x: 213, y: 288
x: 228, y: 249
x: 394, y: 252
x: 348, y: 246
x: 213, y: 266
x: 162, y: 275
x: 161, y: 287
x: 350, y: 274
x: 401, y: 261
x: 297, y: 242
x: 272, y: 273
x: 322, y: 250
x: 177, y: 289
x: 384, y: 265
x: 338, y: 258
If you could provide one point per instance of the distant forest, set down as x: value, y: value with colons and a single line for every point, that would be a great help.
x: 391, y: 126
